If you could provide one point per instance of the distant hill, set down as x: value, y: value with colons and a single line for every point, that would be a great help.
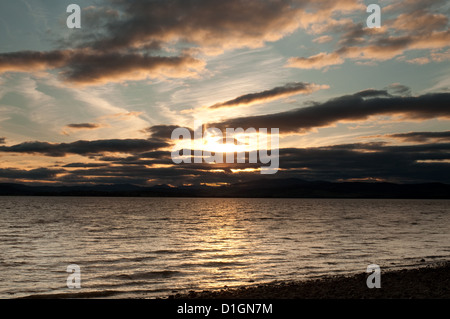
x: 267, y: 188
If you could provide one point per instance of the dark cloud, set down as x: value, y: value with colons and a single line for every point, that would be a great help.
x: 270, y: 95
x: 85, y: 147
x: 163, y: 132
x: 354, y: 34
x: 141, y: 174
x: 348, y: 108
x: 2, y: 140
x: 137, y: 40
x: 155, y: 155
x: 40, y: 174
x: 399, y: 89
x: 123, y: 40
x: 116, y: 67
x: 422, y: 136
x: 90, y: 67
x: 84, y: 165
x: 213, y: 23
x: 81, y: 126
x: 372, y: 93
x: 348, y: 161
x: 416, y: 163
x: 358, y: 161
x: 26, y: 61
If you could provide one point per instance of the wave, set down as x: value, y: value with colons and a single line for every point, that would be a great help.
x: 167, y: 251
x: 82, y: 294
x: 148, y: 275
x: 184, y: 251
x: 72, y: 295
x: 102, y: 261
x: 212, y: 264
x: 12, y: 263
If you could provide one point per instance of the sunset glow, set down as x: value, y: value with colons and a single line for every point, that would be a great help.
x: 98, y: 102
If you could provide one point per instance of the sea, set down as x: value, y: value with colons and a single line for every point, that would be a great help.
x: 125, y: 247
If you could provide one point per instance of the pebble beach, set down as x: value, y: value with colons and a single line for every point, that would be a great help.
x: 428, y: 282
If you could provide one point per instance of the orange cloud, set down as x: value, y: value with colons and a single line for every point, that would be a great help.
x: 317, y: 61
x: 422, y: 60
x: 419, y: 20
x: 381, y: 49
x: 418, y: 26
x: 323, y: 39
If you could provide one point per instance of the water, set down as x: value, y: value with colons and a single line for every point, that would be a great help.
x: 149, y: 247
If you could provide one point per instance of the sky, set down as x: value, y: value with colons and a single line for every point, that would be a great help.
x: 98, y: 104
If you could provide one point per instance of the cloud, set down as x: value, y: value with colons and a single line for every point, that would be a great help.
x: 85, y: 165
x: 380, y: 50
x: 358, y: 161
x: 420, y: 20
x: 81, y: 126
x: 88, y: 67
x: 123, y: 41
x: 200, y: 23
x: 415, y: 27
x: 26, y: 61
x: 372, y: 93
x: 122, y: 116
x: 144, y: 39
x: 84, y: 126
x: 422, y: 136
x: 85, y: 147
x: 413, y: 5
x: 162, y: 132
x: 317, y: 61
x: 348, y: 108
x: 323, y: 39
x: 421, y: 60
x: 414, y: 163
x: 39, y: 174
x: 440, y: 56
x: 399, y: 89
x: 2, y: 140
x: 286, y: 90
x: 116, y: 67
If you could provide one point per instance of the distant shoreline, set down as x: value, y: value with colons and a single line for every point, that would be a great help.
x: 231, y: 197
x: 262, y: 188
x: 428, y: 282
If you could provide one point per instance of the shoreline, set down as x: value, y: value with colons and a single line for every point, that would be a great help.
x: 427, y: 282
x: 257, y: 188
x: 430, y: 281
